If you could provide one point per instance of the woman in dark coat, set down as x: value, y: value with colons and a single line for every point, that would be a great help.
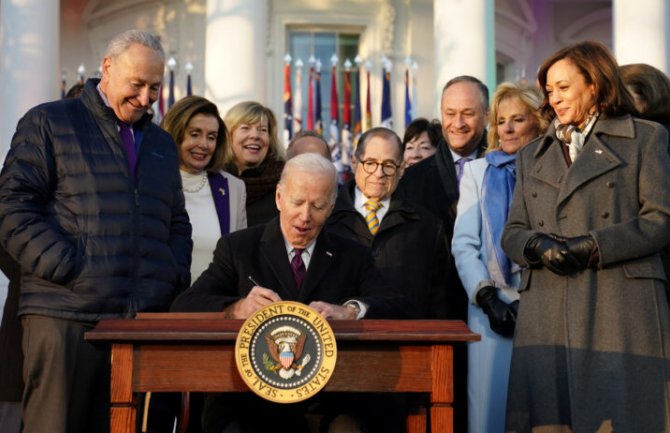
x: 256, y: 156
x: 590, y: 214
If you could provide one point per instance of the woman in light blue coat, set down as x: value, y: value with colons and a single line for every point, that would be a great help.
x: 488, y: 276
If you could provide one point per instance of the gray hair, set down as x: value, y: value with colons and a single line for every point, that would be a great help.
x: 121, y: 42
x: 311, y: 163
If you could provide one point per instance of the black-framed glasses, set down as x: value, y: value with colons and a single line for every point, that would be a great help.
x: 388, y: 168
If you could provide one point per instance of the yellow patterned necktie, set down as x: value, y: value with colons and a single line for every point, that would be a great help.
x: 371, y: 219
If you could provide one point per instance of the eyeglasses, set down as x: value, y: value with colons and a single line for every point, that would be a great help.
x: 388, y: 168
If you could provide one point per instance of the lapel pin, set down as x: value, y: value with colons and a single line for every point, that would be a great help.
x: 222, y: 191
x: 329, y: 254
x: 599, y: 151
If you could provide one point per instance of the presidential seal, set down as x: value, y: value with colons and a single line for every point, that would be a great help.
x: 286, y: 352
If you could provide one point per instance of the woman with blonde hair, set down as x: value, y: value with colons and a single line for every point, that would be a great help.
x: 487, y: 274
x: 256, y: 156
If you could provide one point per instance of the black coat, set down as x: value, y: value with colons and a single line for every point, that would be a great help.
x: 410, y: 249
x: 11, y: 355
x: 339, y: 270
x: 92, y: 244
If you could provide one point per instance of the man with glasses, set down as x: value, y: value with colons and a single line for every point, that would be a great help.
x: 408, y: 243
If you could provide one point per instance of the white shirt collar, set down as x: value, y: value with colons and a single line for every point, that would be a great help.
x: 306, y: 254
x: 359, y: 202
x: 456, y: 156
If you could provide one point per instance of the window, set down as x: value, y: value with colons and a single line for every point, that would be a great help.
x: 322, y: 45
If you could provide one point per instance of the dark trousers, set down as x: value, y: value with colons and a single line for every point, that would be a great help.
x: 66, y: 377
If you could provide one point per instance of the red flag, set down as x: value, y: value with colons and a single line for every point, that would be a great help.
x: 334, y: 116
x: 288, y: 103
x: 346, y: 112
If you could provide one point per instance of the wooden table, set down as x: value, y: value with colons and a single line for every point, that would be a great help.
x: 175, y: 352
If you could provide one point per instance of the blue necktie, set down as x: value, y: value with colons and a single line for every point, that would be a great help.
x: 459, y: 170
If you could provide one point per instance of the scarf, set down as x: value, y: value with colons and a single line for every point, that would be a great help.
x: 573, y: 136
x: 498, y: 187
x: 260, y: 181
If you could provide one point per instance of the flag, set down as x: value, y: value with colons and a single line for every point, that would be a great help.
x: 288, y: 105
x: 414, y: 97
x: 310, y: 95
x: 408, y: 101
x: 368, y: 106
x: 161, y: 102
x: 334, y: 141
x: 297, y: 98
x: 157, y: 107
x: 318, y: 120
x: 358, y: 117
x: 346, y: 147
x: 171, y: 90
x: 387, y: 116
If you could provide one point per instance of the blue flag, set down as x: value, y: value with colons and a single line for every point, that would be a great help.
x: 387, y: 115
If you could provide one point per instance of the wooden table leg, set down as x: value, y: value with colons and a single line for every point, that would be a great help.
x: 442, y: 395
x: 123, y: 409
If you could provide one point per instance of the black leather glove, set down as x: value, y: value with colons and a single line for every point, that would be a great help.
x: 581, y: 248
x: 502, y: 316
x: 552, y: 252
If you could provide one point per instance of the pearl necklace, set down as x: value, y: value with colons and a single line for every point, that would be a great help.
x: 200, y: 186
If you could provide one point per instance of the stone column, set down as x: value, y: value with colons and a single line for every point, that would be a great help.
x: 642, y: 32
x: 29, y: 65
x: 464, y: 41
x: 235, y: 52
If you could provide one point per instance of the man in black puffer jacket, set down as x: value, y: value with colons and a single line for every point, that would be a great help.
x: 91, y: 207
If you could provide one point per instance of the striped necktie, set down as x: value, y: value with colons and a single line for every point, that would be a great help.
x: 372, y: 206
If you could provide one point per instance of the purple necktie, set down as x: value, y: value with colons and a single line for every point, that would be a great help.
x: 298, y: 268
x: 129, y: 145
x: 459, y: 171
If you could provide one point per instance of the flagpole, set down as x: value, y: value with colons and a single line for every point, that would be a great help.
x: 297, y: 97
x: 334, y: 141
x: 63, y: 84
x: 408, y: 101
x: 171, y: 64
x: 81, y: 71
x: 288, y: 106
x: 189, y: 69
x: 346, y: 124
x: 318, y: 119
x: 386, y: 113
x: 358, y: 116
x: 310, y: 94
x: 368, y: 103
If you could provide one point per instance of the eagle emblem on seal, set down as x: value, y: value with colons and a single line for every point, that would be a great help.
x: 286, y: 345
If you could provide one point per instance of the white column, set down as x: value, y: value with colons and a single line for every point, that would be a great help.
x: 29, y: 53
x: 464, y: 41
x: 235, y: 52
x: 641, y: 33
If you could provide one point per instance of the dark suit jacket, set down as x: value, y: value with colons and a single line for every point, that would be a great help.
x: 11, y: 355
x: 339, y: 270
x: 432, y: 184
x: 410, y: 249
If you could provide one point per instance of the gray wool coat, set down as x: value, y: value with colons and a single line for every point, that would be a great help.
x: 592, y: 349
